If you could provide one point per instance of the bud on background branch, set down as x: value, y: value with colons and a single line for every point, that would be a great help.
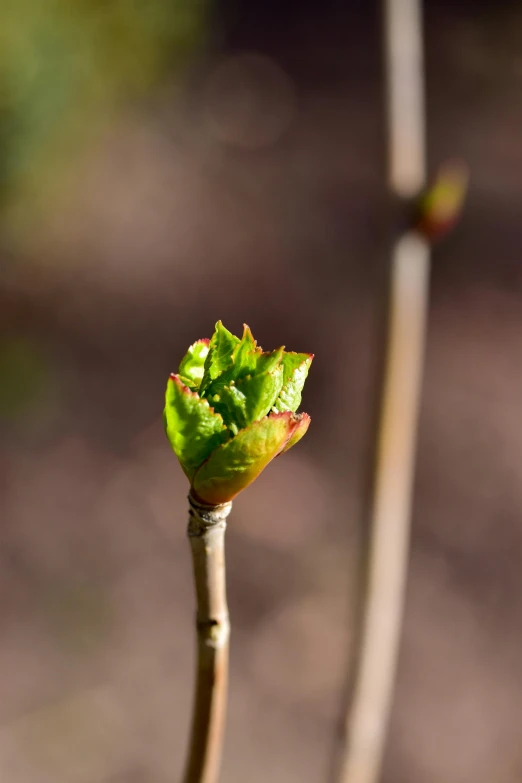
x: 440, y: 206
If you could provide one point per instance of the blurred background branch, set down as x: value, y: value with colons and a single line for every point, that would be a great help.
x: 385, y: 563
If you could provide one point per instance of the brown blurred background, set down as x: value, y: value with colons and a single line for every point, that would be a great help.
x: 175, y: 165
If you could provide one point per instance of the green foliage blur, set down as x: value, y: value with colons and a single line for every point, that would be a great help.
x: 25, y: 377
x: 67, y: 67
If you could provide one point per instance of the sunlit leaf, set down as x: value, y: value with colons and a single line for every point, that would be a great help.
x: 261, y: 391
x: 295, y: 367
x: 233, y: 466
x: 193, y: 428
x: 219, y: 358
x: 192, y: 365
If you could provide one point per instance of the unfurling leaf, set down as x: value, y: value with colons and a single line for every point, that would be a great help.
x: 231, y: 409
x: 192, y: 365
x: 193, y: 428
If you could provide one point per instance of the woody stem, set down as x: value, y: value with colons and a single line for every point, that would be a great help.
x: 206, y: 532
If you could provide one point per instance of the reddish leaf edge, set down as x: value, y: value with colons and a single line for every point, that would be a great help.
x: 186, y: 390
x: 295, y: 420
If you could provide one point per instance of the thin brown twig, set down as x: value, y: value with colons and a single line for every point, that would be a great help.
x: 206, y: 531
